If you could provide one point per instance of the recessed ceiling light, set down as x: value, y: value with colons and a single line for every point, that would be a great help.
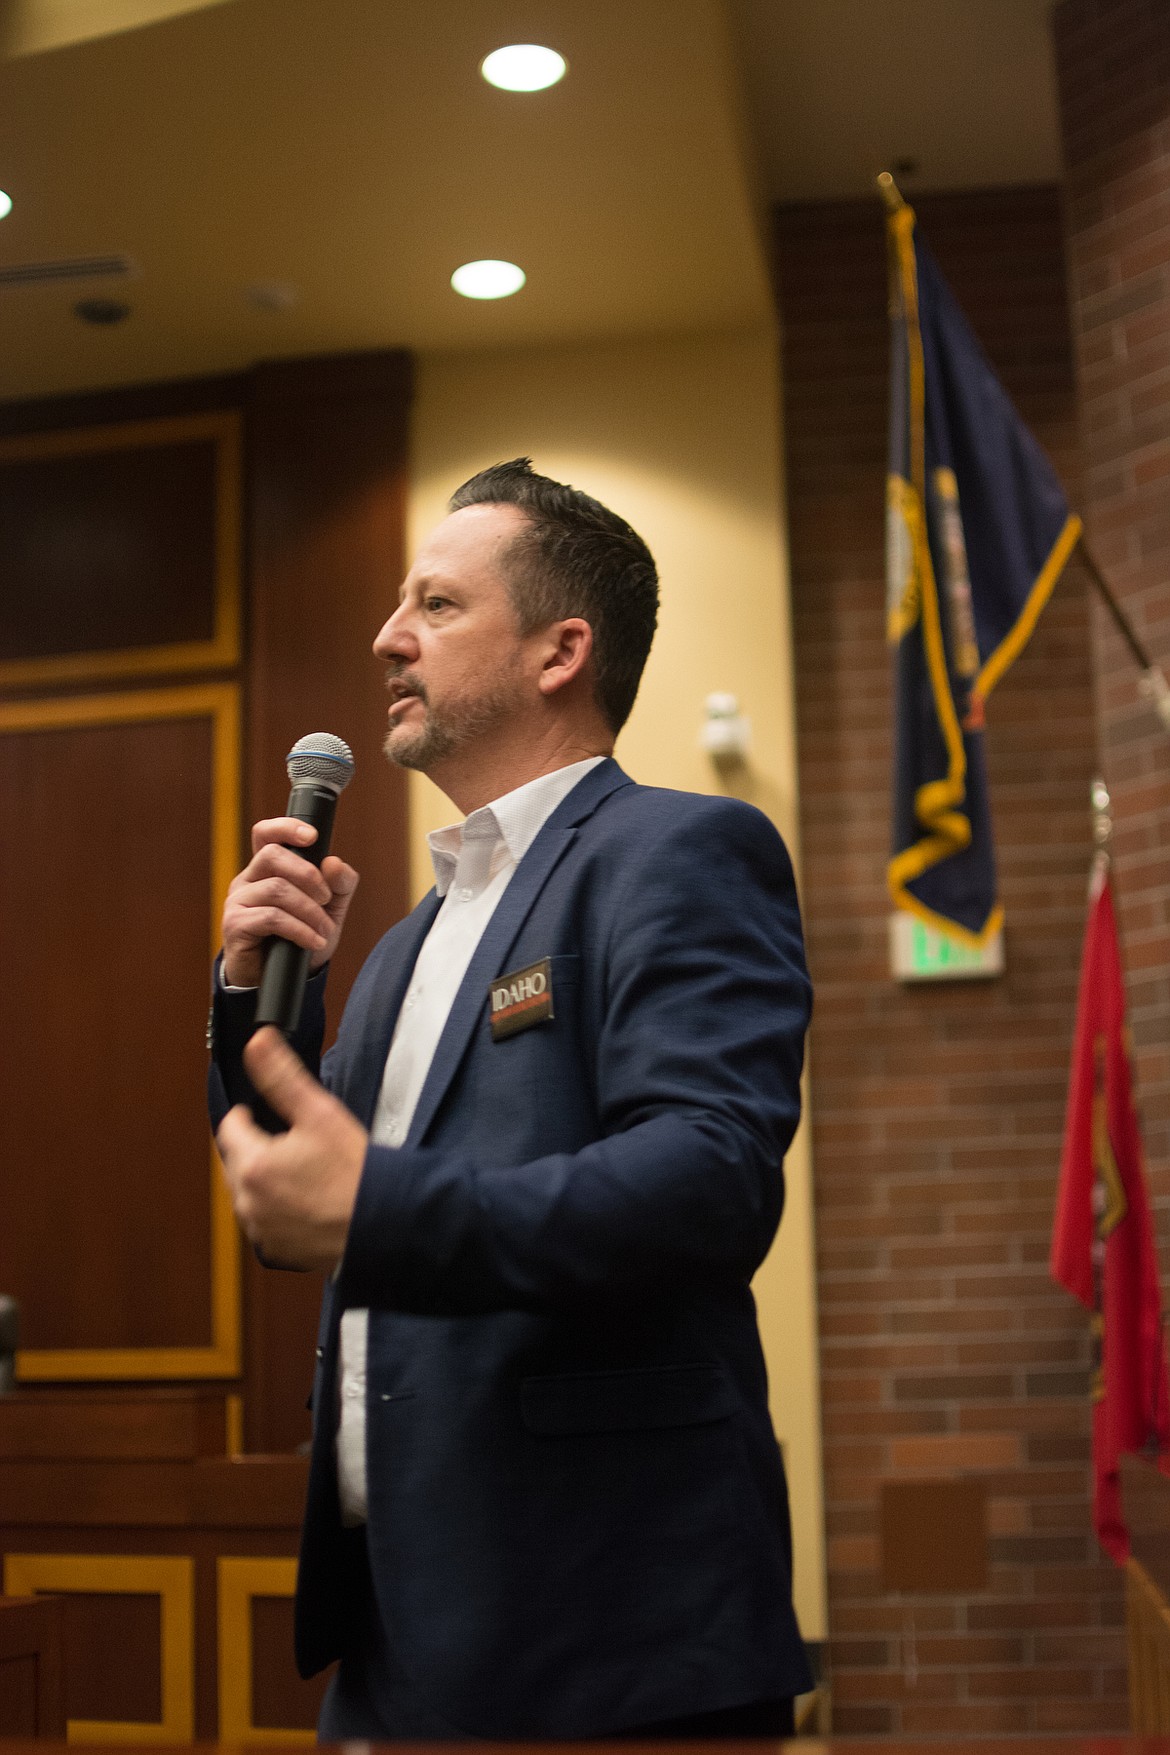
x: 488, y: 279
x: 523, y: 67
x: 5, y: 205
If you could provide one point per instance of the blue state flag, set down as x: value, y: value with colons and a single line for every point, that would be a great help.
x: 978, y: 530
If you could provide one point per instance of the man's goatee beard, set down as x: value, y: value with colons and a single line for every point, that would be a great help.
x: 419, y: 751
x: 456, y: 726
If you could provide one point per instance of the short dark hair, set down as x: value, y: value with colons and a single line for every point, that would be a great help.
x: 577, y: 558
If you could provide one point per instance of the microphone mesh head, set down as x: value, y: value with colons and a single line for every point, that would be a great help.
x: 322, y: 758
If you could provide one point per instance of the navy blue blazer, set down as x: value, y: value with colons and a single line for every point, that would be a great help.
x: 578, y: 1518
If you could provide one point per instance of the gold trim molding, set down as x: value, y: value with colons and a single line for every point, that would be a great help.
x: 240, y: 1580
x: 222, y: 651
x: 170, y: 1577
x: 220, y: 702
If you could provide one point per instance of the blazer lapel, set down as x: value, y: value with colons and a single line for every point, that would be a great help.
x: 553, y: 841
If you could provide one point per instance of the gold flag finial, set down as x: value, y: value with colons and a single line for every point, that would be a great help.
x: 1102, y: 813
x: 1102, y: 836
x: 889, y: 192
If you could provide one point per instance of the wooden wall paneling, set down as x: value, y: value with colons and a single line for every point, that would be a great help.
x: 234, y: 1425
x: 200, y: 1508
x: 89, y: 1424
x: 1145, y: 1493
x: 32, y: 1697
x: 119, y: 404
x: 121, y: 550
x: 245, y: 1493
x: 94, y: 1478
x: 327, y: 444
x: 243, y: 1585
x: 117, y: 1497
x: 1148, y: 1630
x: 169, y: 1579
x: 313, y: 532
x: 327, y: 477
x: 113, y: 1153
x: 18, y: 1692
x: 113, y: 1657
x: 281, y: 1699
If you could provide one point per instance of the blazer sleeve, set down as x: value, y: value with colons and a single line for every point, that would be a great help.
x: 230, y: 1024
x: 698, y: 1065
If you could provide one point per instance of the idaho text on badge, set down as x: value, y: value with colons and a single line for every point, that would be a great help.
x: 521, y: 999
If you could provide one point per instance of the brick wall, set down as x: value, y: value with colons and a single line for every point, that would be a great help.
x: 937, y: 1110
x: 1113, y: 66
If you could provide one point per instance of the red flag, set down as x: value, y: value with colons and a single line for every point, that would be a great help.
x: 1102, y: 1239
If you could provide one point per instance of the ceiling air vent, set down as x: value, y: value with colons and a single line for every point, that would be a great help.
x: 68, y: 268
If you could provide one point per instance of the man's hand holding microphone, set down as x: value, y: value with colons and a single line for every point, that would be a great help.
x: 281, y: 895
x: 293, y: 1193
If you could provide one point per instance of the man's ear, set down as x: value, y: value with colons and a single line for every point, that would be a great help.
x: 567, y: 649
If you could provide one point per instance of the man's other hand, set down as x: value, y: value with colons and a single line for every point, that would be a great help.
x: 293, y: 1193
x: 280, y: 895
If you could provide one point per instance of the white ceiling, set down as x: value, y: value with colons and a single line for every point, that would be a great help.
x: 348, y: 147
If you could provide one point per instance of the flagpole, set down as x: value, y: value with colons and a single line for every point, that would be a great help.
x: 1153, y: 682
x: 889, y: 191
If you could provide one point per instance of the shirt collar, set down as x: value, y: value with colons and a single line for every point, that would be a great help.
x: 515, y: 819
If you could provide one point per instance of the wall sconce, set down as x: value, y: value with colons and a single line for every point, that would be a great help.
x: 726, y: 734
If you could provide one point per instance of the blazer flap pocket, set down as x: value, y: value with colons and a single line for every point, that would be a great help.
x: 626, y: 1401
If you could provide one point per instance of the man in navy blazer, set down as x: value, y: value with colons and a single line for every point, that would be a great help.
x: 540, y: 1167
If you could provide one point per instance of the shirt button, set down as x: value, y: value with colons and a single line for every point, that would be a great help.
x: 464, y: 894
x: 352, y: 1391
x: 410, y: 998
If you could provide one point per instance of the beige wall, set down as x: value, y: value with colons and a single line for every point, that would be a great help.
x: 680, y: 437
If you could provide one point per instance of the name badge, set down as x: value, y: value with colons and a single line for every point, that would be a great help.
x: 521, y: 999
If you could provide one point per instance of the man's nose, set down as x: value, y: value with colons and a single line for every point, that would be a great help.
x: 395, y: 639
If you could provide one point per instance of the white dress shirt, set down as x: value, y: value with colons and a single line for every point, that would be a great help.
x: 474, y: 862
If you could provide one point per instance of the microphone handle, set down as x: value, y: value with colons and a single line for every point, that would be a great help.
x: 286, y: 966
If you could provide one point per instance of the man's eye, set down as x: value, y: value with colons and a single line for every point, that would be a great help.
x: 436, y: 603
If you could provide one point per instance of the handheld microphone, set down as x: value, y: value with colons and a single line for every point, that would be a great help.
x: 320, y: 767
